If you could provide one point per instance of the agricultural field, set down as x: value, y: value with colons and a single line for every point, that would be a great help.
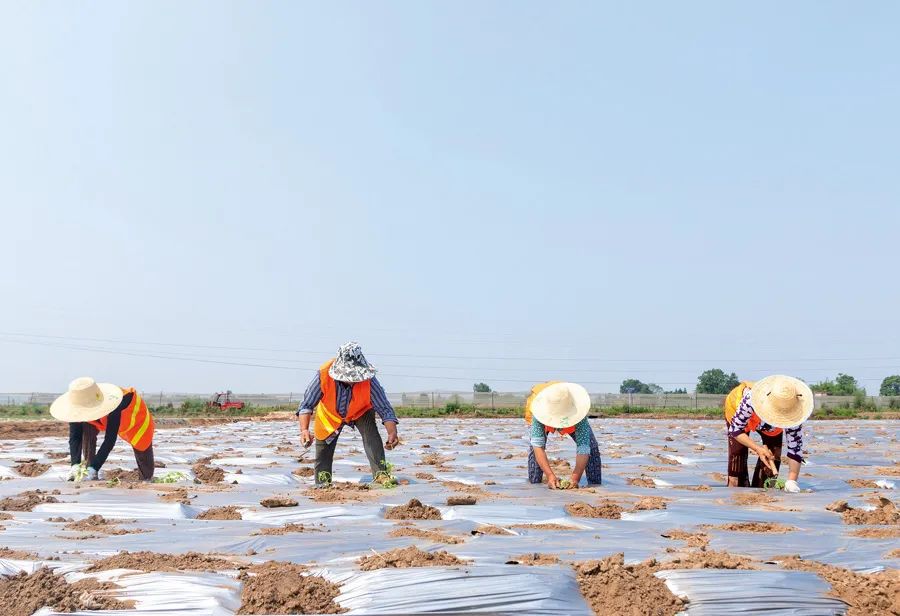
x: 240, y: 530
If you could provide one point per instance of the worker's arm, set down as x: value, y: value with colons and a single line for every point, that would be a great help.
x: 737, y: 431
x: 538, y: 439
x: 765, y: 454
x: 113, y: 420
x: 311, y: 399
x: 385, y: 410
x: 582, y: 438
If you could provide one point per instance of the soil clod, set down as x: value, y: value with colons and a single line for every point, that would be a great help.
x: 402, y: 558
x: 413, y: 510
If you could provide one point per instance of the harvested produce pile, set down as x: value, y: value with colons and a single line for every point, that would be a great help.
x: 401, y: 558
x: 284, y: 588
x: 23, y: 595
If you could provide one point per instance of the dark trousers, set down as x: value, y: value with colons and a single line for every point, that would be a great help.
x: 145, y: 463
x: 593, y: 471
x: 737, y: 461
x: 372, y: 444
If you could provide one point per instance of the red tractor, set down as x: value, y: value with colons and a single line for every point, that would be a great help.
x: 223, y: 401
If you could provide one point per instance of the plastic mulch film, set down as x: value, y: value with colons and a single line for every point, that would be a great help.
x: 713, y: 592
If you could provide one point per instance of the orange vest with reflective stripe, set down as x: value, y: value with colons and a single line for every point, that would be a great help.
x: 733, y: 400
x: 534, y: 392
x: 136, y: 425
x: 327, y: 418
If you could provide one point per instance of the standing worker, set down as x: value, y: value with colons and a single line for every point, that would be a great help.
x: 774, y: 407
x: 91, y: 407
x: 561, y: 407
x: 346, y: 392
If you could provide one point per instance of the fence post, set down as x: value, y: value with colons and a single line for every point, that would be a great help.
x: 432, y: 401
x: 492, y: 401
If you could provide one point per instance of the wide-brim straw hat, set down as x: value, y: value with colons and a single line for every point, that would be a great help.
x: 561, y: 405
x: 350, y: 365
x: 86, y: 400
x: 782, y: 401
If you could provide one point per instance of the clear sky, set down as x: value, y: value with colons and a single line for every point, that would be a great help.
x: 496, y: 191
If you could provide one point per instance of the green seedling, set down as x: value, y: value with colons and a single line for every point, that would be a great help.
x: 385, y: 478
x: 171, y: 477
x: 82, y: 471
x: 113, y: 482
x: 323, y: 478
x: 776, y: 483
x: 564, y: 484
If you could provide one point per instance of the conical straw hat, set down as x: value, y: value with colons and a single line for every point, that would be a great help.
x: 86, y: 401
x: 782, y: 401
x: 561, y: 405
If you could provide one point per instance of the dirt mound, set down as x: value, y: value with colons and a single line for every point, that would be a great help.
x: 469, y: 442
x: 282, y: 588
x: 413, y: 510
x: 890, y: 471
x: 422, y: 533
x: 642, y: 482
x: 23, y: 430
x: 752, y: 498
x: 665, y: 460
x: 205, y: 473
x: 57, y: 455
x: 178, y: 495
x: 698, y: 488
x: 340, y: 492
x: 876, y: 533
x: 893, y: 554
x: 273, y: 502
x: 488, y: 529
x: 153, y: 561
x: 877, y: 593
x: 862, y: 483
x: 287, y: 529
x: 755, y: 527
x: 31, y: 469
x: 692, y: 540
x: 402, y: 558
x: 17, y: 554
x: 718, y: 477
x: 548, y: 526
x: 221, y: 513
x: 534, y: 559
x: 99, y: 524
x: 434, y: 459
x: 427, y: 476
x: 120, y: 474
x: 709, y: 559
x: 612, y: 587
x: 885, y: 513
x: 26, y: 501
x: 304, y: 471
x: 23, y: 595
x: 606, y: 509
x: 460, y: 499
x: 650, y: 502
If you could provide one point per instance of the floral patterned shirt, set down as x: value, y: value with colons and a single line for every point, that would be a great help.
x: 793, y: 436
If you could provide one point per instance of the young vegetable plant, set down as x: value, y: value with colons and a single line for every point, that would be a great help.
x: 776, y: 483
x: 323, y: 478
x: 386, y: 478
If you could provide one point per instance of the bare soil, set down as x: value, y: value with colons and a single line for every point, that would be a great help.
x: 885, y: 513
x: 120, y: 474
x: 534, y: 559
x: 273, y: 502
x: 154, y: 561
x: 605, y: 509
x: 26, y: 501
x: 31, y: 469
x: 413, y: 510
x: 412, y: 556
x: 650, y: 502
x: 99, y: 524
x: 178, y: 495
x: 862, y: 483
x: 304, y: 471
x: 695, y: 488
x: 23, y: 594
x: 612, y: 587
x: 752, y: 498
x: 877, y: 593
x: 282, y: 588
x: 708, y: 559
x: 755, y: 527
x: 23, y: 430
x: 488, y: 529
x: 547, y: 526
x: 221, y: 513
x: 876, y: 533
x: 430, y: 535
x: 461, y: 499
x: 891, y: 471
x: 18, y: 554
x: 288, y: 529
x: 692, y: 540
x: 718, y: 477
x: 642, y: 481
x: 206, y: 473
x: 340, y: 492
x: 426, y: 476
x: 434, y: 459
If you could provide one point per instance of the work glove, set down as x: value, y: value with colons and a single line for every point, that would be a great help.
x: 73, y: 472
x: 92, y: 474
x: 791, y: 486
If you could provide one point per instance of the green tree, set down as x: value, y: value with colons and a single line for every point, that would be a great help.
x: 715, y: 381
x: 634, y: 386
x: 654, y: 388
x: 678, y: 390
x: 481, y: 388
x: 843, y: 385
x: 890, y: 386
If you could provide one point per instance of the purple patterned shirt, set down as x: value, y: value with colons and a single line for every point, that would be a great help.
x: 794, y: 436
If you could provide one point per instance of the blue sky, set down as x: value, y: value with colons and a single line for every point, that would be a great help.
x: 497, y: 191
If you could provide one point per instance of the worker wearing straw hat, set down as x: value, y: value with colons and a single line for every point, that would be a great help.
x: 346, y: 392
x: 776, y: 408
x: 561, y: 408
x: 91, y: 407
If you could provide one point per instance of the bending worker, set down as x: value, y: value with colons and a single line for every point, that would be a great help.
x: 90, y: 408
x: 774, y: 407
x: 561, y: 408
x: 346, y: 392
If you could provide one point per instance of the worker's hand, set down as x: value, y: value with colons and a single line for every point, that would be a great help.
x: 765, y: 454
x: 791, y: 486
x: 392, y: 439
x: 575, y: 479
x: 552, y: 481
x: 306, y: 438
x: 92, y: 474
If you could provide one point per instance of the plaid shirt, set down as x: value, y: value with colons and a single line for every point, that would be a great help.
x: 313, y: 396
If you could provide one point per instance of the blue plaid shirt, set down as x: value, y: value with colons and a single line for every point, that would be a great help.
x: 313, y: 396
